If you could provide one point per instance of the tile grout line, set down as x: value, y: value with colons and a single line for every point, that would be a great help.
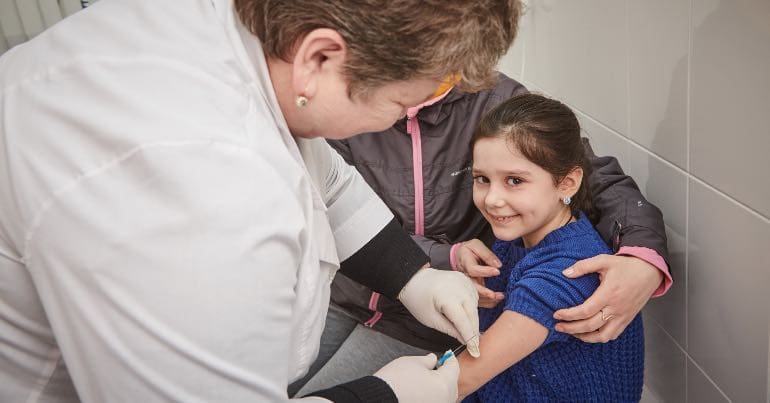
x: 692, y: 360
x: 687, y: 202
x: 628, y: 71
x: 662, y: 160
x: 523, y: 68
x: 688, y: 357
x: 690, y: 179
x: 40, y: 14
x: 663, y: 329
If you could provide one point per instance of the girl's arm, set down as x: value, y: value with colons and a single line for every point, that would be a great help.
x: 511, y: 338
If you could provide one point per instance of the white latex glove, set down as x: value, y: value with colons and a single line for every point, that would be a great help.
x: 446, y: 301
x: 413, y: 379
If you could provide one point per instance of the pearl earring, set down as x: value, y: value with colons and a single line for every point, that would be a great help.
x: 301, y: 101
x: 567, y: 200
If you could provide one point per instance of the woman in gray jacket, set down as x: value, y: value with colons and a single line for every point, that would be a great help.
x: 420, y: 167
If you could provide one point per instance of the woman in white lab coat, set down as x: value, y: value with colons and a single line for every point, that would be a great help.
x: 170, y: 216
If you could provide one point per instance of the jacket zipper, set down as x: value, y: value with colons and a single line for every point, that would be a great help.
x: 413, y: 128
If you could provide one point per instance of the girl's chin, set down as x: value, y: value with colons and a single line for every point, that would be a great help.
x: 505, y: 235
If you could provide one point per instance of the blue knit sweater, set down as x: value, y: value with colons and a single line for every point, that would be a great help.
x: 563, y: 368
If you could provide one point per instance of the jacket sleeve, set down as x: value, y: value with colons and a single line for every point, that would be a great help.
x: 626, y: 218
x: 437, y: 252
x: 387, y: 262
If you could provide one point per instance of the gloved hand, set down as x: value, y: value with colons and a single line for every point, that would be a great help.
x: 446, y: 301
x: 413, y: 379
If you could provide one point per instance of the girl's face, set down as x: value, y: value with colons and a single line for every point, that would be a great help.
x: 516, y: 196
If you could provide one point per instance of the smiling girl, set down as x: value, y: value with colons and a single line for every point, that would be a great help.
x: 530, y: 184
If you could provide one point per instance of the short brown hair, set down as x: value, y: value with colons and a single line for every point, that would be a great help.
x: 394, y: 40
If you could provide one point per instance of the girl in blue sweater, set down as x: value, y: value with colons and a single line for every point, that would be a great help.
x: 530, y: 184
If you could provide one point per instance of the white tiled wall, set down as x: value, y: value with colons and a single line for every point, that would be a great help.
x: 679, y: 91
x: 23, y: 19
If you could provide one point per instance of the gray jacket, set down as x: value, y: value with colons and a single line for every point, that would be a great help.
x: 385, y: 160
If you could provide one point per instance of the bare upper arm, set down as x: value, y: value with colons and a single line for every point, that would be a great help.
x: 512, y: 337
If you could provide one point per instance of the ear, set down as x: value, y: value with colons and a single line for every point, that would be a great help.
x: 322, y: 51
x: 570, y: 184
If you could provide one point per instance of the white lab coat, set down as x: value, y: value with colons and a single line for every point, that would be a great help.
x: 161, y: 232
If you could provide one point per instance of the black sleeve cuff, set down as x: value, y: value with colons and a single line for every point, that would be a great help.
x: 387, y: 262
x: 366, y: 389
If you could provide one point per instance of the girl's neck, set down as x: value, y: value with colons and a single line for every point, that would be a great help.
x: 562, y: 218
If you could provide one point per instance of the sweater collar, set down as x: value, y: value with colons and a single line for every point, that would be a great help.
x: 571, y: 230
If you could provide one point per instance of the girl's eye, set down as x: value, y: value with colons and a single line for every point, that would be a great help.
x: 481, y: 180
x: 513, y: 181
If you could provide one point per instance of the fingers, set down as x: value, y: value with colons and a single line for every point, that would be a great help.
x: 587, y: 309
x: 488, y: 303
x: 484, y: 254
x: 475, y: 259
x: 487, y: 297
x: 450, y: 369
x: 449, y: 373
x: 428, y: 361
x: 622, y: 293
x: 610, y: 331
x: 600, y: 328
x: 485, y: 292
x: 581, y: 326
x: 595, y: 264
x: 476, y: 270
x: 472, y: 343
x: 466, y: 322
x: 472, y: 346
x: 443, y: 324
x: 472, y: 312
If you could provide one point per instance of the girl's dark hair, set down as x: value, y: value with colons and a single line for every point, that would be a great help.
x: 547, y: 133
